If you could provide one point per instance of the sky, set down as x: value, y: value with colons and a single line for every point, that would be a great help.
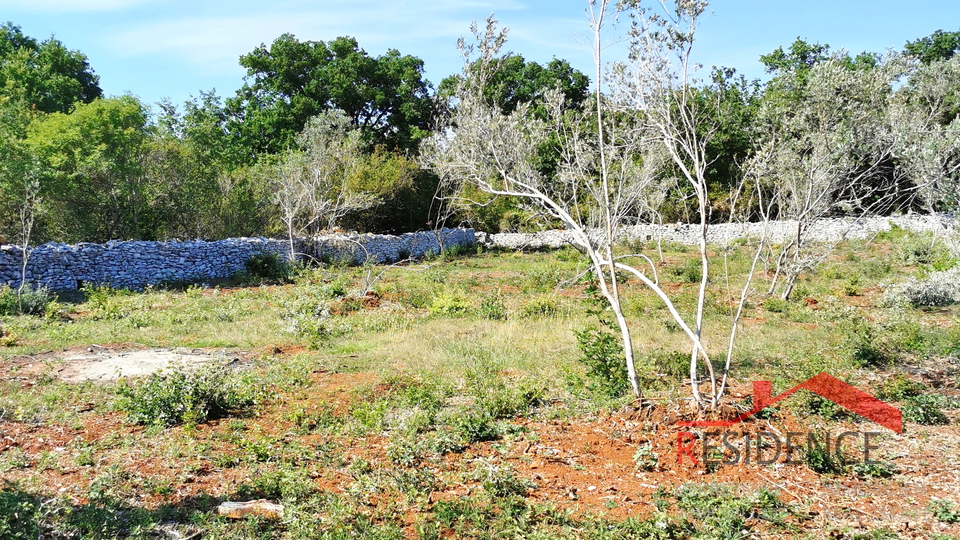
x: 174, y: 49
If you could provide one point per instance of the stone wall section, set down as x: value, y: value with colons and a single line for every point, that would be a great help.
x: 137, y: 264
x: 824, y: 230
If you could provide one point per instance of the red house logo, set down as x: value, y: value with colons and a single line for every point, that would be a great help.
x: 826, y: 386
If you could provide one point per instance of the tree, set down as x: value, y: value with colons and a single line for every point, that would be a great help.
x: 937, y: 46
x: 91, y: 178
x: 609, y: 166
x: 45, y: 76
x: 825, y: 152
x: 313, y: 189
x: 516, y: 81
x: 291, y: 81
x: 926, y: 123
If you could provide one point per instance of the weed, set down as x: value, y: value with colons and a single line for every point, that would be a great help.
x: 776, y: 305
x: 691, y: 271
x: 473, y: 427
x: 875, y: 469
x: 645, y: 458
x: 541, y: 306
x: 944, y: 511
x: 450, y: 304
x: 501, y: 480
x: 819, y: 458
x: 492, y: 307
x: 32, y: 301
x: 899, y: 387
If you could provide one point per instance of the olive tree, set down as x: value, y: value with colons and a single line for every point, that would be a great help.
x: 313, y: 189
x: 612, y: 152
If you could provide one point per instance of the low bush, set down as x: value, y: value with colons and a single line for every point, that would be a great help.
x: 602, y: 355
x: 945, y: 511
x: 177, y: 396
x: 924, y: 409
x: 31, y: 301
x: 937, y: 289
x: 450, y: 304
x: 899, y: 387
x: 269, y: 267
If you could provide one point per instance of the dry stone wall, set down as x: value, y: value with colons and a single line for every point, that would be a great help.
x: 825, y: 230
x: 136, y: 264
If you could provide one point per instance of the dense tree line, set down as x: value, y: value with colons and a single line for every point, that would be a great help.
x: 325, y: 135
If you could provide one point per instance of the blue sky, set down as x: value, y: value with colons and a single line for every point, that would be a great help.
x: 175, y: 48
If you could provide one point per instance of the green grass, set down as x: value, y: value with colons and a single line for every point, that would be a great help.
x: 458, y: 349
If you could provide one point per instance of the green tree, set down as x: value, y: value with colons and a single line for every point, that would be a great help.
x: 291, y: 81
x: 91, y: 179
x: 517, y: 81
x: 45, y: 76
x: 939, y: 45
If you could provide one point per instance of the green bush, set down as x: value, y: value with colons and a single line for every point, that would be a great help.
x: 32, y: 301
x: 924, y: 409
x: 270, y: 267
x: 898, y: 387
x: 602, y: 354
x: 177, y: 396
x: 924, y: 249
x: 820, y: 459
x: 450, y: 304
x: 875, y: 469
x: 776, y: 305
x: 690, y: 271
x: 541, y: 306
x: 493, y: 307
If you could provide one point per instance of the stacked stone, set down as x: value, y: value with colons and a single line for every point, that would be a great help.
x: 137, y: 264
x: 824, y: 230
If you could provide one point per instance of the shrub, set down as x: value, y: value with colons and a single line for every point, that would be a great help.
x: 603, y: 357
x: 937, y: 289
x: 875, y: 469
x: 690, y: 272
x: 945, y: 511
x: 32, y: 301
x: 449, y: 304
x: 898, y: 387
x: 175, y: 397
x: 269, y: 266
x: 776, y: 305
x: 924, y: 409
x: 541, y: 306
x: 644, y: 458
x: 922, y: 249
x: 493, y: 307
x: 820, y: 459
x: 501, y: 481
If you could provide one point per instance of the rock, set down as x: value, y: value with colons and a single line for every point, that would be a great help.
x: 261, y: 507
